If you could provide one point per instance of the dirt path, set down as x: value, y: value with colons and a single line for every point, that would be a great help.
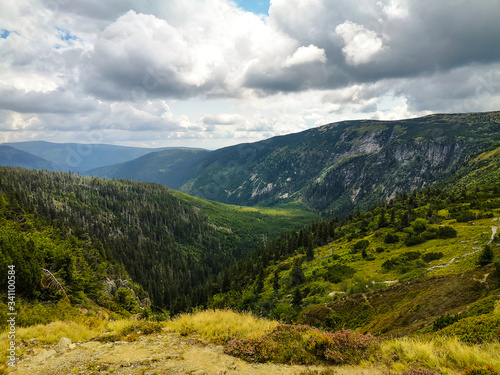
x: 158, y: 354
x: 493, y: 233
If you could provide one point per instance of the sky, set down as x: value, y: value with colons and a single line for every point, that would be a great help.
x: 213, y: 73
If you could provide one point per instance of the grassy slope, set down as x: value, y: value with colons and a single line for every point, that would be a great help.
x: 396, y: 301
x: 247, y: 221
x: 198, y: 232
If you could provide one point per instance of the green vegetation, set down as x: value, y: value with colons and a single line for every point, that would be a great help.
x: 334, y: 168
x: 421, y: 272
x: 354, y: 279
x: 299, y: 344
x: 96, y: 238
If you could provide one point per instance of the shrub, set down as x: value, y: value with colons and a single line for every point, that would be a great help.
x: 419, y: 371
x: 431, y: 256
x: 483, y: 370
x: 475, y: 330
x: 338, y: 272
x: 497, y: 268
x: 360, y: 246
x: 379, y: 249
x: 465, y: 216
x: 444, y: 321
x: 446, y: 232
x: 428, y: 235
x: 419, y: 225
x: 412, y: 240
x: 403, y: 260
x: 300, y: 344
x: 391, y: 238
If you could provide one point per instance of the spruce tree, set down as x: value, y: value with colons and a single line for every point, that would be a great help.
x: 486, y: 256
x: 296, y: 298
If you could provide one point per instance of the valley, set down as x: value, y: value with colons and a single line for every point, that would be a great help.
x: 367, y: 234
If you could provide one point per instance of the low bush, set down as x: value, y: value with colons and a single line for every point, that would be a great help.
x: 429, y: 257
x: 413, y: 240
x: 446, y: 232
x: 360, y: 246
x: 444, y: 321
x: 420, y: 371
x: 300, y: 344
x: 480, y: 370
x: 338, y: 272
x: 391, y: 238
x: 476, y: 329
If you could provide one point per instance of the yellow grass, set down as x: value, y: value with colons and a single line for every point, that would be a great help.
x: 49, y: 334
x: 220, y: 326
x: 442, y: 353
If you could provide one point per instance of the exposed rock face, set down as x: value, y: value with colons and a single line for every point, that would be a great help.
x: 333, y: 166
x: 338, y: 165
x: 397, y: 167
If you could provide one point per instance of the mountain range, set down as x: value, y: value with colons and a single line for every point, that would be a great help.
x: 329, y: 169
x: 76, y: 157
x: 421, y: 261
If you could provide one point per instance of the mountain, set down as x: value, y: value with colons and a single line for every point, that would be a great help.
x: 160, y: 167
x: 11, y: 157
x: 165, y: 241
x: 81, y: 157
x: 332, y: 168
x: 416, y: 264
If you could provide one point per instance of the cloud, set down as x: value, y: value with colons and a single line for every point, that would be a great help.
x: 203, y: 70
x: 361, y: 45
x: 394, y: 9
x: 306, y: 55
x: 222, y: 119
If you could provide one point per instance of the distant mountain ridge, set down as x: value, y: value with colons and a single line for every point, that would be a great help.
x: 82, y: 157
x: 12, y: 157
x: 159, y: 167
x: 330, y: 168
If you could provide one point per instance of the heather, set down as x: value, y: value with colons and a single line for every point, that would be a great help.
x: 301, y: 344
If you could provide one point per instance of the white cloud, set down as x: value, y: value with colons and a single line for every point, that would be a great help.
x: 361, y: 45
x: 223, y: 119
x: 394, y: 9
x: 306, y: 55
x: 204, y: 71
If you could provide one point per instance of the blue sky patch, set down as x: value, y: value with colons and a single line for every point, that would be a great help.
x: 254, y: 6
x: 4, y: 33
x: 65, y: 35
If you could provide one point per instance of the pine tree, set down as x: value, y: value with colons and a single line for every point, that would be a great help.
x: 296, y: 298
x: 310, y: 252
x: 297, y: 274
x: 276, y: 281
x: 486, y: 256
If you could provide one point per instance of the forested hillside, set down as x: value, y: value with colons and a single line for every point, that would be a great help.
x: 393, y: 269
x: 167, y: 242
x: 333, y: 168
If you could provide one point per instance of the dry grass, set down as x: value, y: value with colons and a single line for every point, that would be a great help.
x: 80, y: 329
x: 220, y: 326
x: 441, y: 353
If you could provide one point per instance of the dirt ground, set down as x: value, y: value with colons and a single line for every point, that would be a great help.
x: 165, y: 353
